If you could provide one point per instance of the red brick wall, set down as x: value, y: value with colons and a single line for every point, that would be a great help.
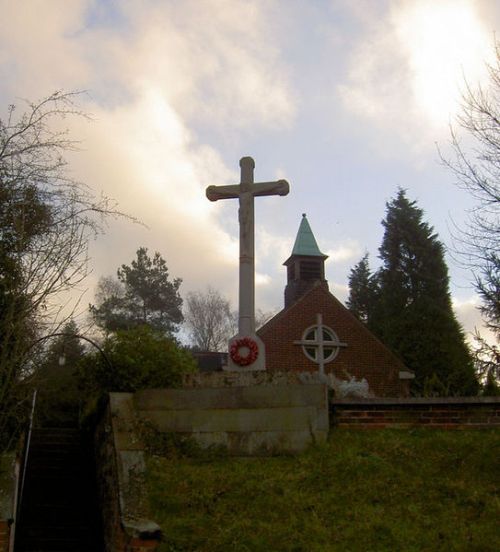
x: 443, y: 413
x: 4, y: 535
x: 364, y: 357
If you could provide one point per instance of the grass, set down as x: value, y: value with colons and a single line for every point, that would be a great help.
x: 368, y: 491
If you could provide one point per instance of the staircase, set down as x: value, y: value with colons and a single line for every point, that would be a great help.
x: 59, y: 509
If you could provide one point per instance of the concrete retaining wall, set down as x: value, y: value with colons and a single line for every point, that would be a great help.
x: 121, y: 468
x: 438, y: 413
x: 255, y: 420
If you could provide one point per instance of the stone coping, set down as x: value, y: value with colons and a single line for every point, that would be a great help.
x: 416, y: 401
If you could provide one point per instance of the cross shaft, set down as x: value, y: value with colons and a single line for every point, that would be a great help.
x: 245, y: 191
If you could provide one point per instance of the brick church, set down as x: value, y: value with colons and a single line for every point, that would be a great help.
x: 316, y: 333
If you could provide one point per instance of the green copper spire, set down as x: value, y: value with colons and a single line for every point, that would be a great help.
x: 305, y: 243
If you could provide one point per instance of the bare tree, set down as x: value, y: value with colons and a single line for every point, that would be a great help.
x: 46, y: 221
x: 476, y: 165
x: 209, y: 320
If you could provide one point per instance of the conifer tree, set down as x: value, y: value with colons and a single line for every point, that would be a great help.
x: 58, y: 395
x: 362, y: 291
x: 142, y: 295
x: 414, y: 314
x: 410, y: 307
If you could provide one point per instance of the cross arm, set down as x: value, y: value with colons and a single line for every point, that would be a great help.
x: 222, y: 192
x: 280, y: 187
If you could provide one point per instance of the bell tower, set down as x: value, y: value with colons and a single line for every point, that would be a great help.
x: 305, y: 266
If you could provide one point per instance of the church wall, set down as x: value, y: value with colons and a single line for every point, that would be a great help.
x: 364, y: 357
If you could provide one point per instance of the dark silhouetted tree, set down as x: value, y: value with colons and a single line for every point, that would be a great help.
x: 59, y: 398
x: 46, y: 221
x: 140, y: 358
x: 412, y: 311
x: 362, y: 291
x: 142, y: 295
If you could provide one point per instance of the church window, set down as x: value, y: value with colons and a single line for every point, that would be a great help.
x: 320, y: 338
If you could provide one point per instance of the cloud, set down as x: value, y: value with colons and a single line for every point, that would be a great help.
x: 405, y: 76
x: 468, y: 314
x: 341, y: 291
x: 39, y: 47
x: 347, y: 251
x: 153, y: 69
x: 215, y: 61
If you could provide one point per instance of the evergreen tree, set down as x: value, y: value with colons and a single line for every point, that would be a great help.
x: 362, y: 291
x: 142, y: 295
x: 413, y: 313
x: 58, y: 396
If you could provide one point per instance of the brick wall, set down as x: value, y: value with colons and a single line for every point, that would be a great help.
x: 4, y: 535
x: 364, y: 357
x: 9, y: 482
x: 437, y: 413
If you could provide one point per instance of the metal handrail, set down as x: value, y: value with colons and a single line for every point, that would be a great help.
x: 26, y: 453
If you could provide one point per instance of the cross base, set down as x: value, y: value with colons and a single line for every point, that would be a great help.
x: 246, y: 354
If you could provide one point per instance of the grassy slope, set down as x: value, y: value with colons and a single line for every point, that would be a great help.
x: 367, y: 491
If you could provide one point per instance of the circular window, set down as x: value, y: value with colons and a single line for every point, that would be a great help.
x: 318, y: 340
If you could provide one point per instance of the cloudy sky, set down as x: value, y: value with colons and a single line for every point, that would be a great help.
x: 346, y: 99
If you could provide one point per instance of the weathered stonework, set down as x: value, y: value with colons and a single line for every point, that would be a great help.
x: 121, y: 467
x: 239, y: 379
x: 252, y: 420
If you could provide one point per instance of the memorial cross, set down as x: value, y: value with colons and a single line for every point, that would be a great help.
x: 245, y: 191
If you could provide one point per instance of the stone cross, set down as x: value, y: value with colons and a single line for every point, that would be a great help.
x: 245, y: 191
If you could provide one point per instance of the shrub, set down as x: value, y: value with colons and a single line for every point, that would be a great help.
x: 139, y: 358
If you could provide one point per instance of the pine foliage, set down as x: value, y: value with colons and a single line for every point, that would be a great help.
x: 142, y: 295
x: 363, y: 287
x: 408, y: 305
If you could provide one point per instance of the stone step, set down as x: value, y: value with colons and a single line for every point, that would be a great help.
x: 58, y: 513
x: 38, y: 544
x: 56, y: 434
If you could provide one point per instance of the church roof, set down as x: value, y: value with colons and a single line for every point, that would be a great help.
x: 305, y: 242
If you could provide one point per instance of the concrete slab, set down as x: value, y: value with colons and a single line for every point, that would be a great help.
x: 238, y: 419
x: 257, y: 396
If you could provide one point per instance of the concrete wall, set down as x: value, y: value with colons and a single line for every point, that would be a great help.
x: 256, y: 420
x: 120, y: 465
x: 437, y: 413
x: 251, y: 420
